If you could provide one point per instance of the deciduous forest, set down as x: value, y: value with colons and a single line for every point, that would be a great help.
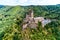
x: 11, y: 18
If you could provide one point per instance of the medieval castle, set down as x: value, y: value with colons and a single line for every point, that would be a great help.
x: 32, y: 22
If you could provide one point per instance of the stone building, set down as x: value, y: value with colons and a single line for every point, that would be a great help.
x: 32, y: 22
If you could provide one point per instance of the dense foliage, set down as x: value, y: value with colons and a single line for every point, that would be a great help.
x: 11, y: 18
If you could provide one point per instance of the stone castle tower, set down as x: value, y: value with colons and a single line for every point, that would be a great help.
x: 32, y: 15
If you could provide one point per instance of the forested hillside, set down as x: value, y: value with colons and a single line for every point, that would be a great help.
x: 11, y: 18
